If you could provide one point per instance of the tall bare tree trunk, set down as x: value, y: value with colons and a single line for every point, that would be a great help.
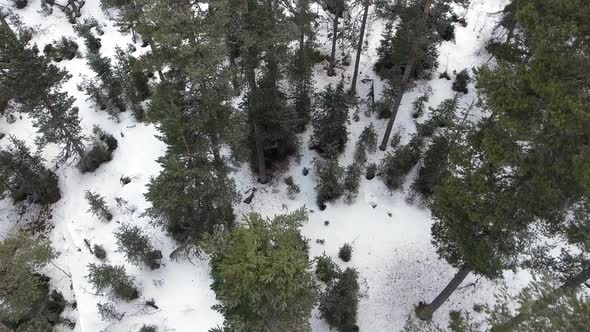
x: 407, y: 72
x: 396, y: 103
x: 424, y: 311
x: 331, y: 71
x: 541, y: 304
x: 359, y: 48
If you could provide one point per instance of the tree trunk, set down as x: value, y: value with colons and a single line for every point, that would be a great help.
x: 396, y: 104
x: 407, y: 72
x: 424, y: 311
x: 569, y: 286
x: 251, y: 80
x: 359, y: 48
x: 331, y: 70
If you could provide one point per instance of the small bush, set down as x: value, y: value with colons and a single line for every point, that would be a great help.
x: 65, y: 48
x: 352, y: 178
x: 99, y: 252
x: 383, y: 109
x: 137, y: 246
x: 325, y: 269
x: 148, y: 328
x: 329, y: 186
x: 98, y: 206
x: 292, y: 188
x: 371, y: 171
x: 419, y: 106
x: 20, y: 4
x: 339, y: 303
x: 395, y: 139
x: 113, y: 280
x: 367, y: 142
x: 109, y: 312
x: 461, y: 81
x: 345, y: 252
x: 100, y: 152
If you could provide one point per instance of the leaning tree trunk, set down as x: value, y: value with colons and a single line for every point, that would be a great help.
x: 569, y: 286
x: 407, y: 72
x: 396, y: 104
x: 359, y: 48
x: 424, y: 311
x: 331, y: 70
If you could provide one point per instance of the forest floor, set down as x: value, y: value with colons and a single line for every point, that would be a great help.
x: 397, y: 264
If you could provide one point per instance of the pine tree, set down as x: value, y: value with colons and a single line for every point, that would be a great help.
x: 98, y: 206
x: 137, y: 246
x: 330, y: 132
x: 301, y: 71
x: 113, y: 280
x: 23, y: 175
x: 434, y: 167
x: 336, y: 8
x: 35, y: 84
x: 329, y: 186
x: 339, y: 303
x: 134, y: 82
x: 395, y: 166
x: 411, y: 53
x: 24, y: 291
x: 129, y: 15
x: 261, y: 275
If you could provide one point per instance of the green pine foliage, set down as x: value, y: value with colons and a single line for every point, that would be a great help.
x: 419, y: 106
x: 99, y: 252
x: 84, y: 29
x: 329, y: 185
x: 330, y: 132
x: 134, y: 82
x: 371, y: 171
x: 367, y: 143
x: 434, y: 167
x: 415, y: 38
x: 137, y: 246
x: 325, y: 269
x: 113, y: 280
x: 339, y: 303
x: 108, y: 312
x: 395, y: 166
x: 351, y: 182
x: 98, y: 205
x: 34, y: 83
x: 461, y: 81
x: 63, y: 49
x: 100, y: 152
x: 24, y: 176
x: 345, y: 252
x: 107, y: 88
x: 24, y: 292
x: 261, y: 274
x: 292, y: 188
x: 148, y: 328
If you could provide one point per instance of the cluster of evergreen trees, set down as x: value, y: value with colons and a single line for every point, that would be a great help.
x: 488, y: 182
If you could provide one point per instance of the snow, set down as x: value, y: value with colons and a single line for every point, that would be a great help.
x: 397, y: 263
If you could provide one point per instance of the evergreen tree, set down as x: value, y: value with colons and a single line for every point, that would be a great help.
x: 261, y: 275
x: 395, y: 166
x: 84, y: 29
x: 329, y: 186
x: 367, y: 142
x: 434, y: 167
x: 336, y: 8
x: 339, y: 303
x: 106, y: 89
x: 98, y: 206
x: 129, y: 15
x: 137, y: 246
x: 134, y: 82
x: 192, y: 195
x: 23, y: 175
x: 411, y: 52
x: 113, y: 280
x: 23, y: 291
x: 352, y: 179
x: 35, y: 84
x: 330, y: 132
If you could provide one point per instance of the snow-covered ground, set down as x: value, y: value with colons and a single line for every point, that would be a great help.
x: 391, y: 238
